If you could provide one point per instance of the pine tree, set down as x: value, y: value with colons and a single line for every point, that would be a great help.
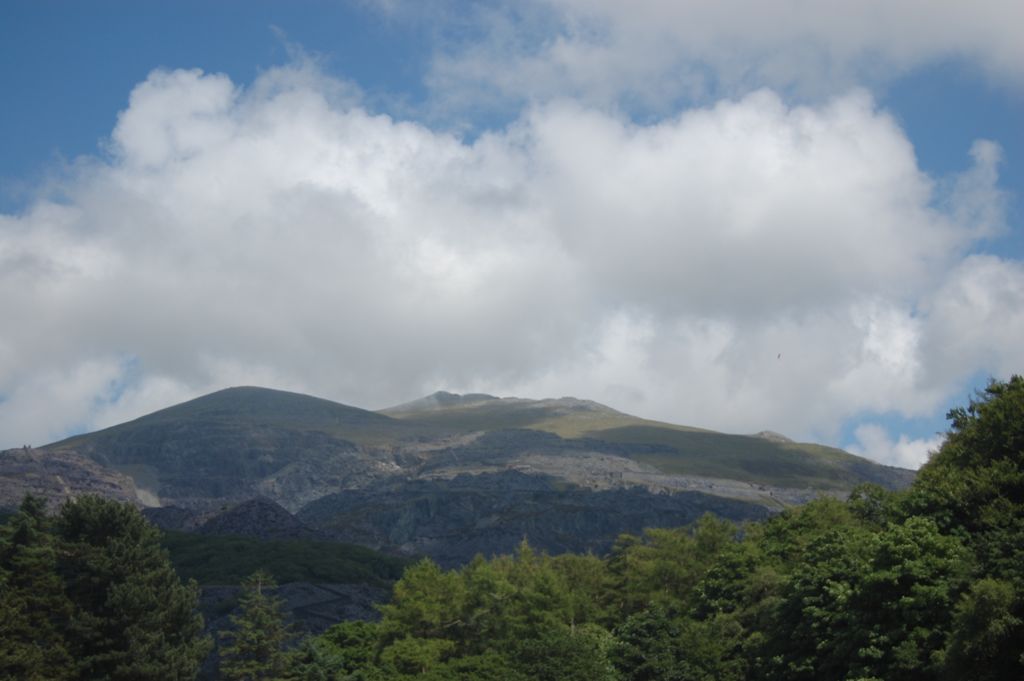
x: 33, y: 605
x: 133, y: 619
x: 257, y: 647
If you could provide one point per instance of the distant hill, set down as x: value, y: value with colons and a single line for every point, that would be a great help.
x: 441, y: 464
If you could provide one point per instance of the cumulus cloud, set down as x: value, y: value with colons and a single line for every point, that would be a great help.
x: 741, y: 266
x: 651, y: 53
x: 874, y: 442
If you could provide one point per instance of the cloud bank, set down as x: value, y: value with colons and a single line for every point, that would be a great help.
x: 647, y: 55
x: 742, y: 266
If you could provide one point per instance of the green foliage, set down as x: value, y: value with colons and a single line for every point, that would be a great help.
x: 561, y: 653
x: 348, y: 647
x: 869, y: 604
x: 974, y: 485
x: 413, y: 655
x: 229, y: 560
x: 648, y: 645
x: 989, y: 429
x: 91, y: 595
x: 985, y: 643
x: 33, y: 604
x: 489, y: 666
x: 425, y: 603
x: 665, y: 565
x: 256, y: 646
x: 133, y: 618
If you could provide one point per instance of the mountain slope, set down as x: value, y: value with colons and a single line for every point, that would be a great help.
x: 247, y: 407
x: 452, y: 520
x: 242, y: 442
x: 567, y: 417
x: 55, y: 476
x: 670, y: 449
x: 450, y: 475
x: 239, y: 443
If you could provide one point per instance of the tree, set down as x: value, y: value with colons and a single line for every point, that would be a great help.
x: 348, y: 647
x: 974, y: 484
x: 133, y: 619
x: 985, y: 641
x: 561, y: 653
x: 257, y: 647
x: 973, y: 487
x: 33, y: 605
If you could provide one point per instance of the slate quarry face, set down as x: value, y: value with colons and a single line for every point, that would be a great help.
x: 447, y: 476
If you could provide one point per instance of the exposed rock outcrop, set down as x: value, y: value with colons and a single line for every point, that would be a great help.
x: 258, y: 518
x: 453, y: 520
x: 57, y: 476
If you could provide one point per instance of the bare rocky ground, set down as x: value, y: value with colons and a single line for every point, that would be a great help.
x: 56, y: 476
x: 602, y: 471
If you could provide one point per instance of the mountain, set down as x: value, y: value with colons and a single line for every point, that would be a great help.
x: 238, y: 443
x: 447, y: 474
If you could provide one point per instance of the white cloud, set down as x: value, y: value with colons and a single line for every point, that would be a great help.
x: 650, y: 53
x: 975, y: 320
x: 281, y: 234
x: 874, y: 442
x: 46, y: 402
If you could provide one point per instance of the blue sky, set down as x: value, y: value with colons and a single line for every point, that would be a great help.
x: 800, y: 220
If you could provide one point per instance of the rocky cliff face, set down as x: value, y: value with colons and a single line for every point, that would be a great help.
x: 491, y: 513
x: 57, y: 476
x: 200, y: 465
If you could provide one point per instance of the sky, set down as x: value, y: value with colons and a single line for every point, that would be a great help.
x: 738, y: 215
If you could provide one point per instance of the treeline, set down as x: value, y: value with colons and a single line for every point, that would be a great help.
x: 922, y: 584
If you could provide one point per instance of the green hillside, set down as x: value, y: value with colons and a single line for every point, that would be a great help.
x: 251, y: 407
x: 670, y: 448
x: 749, y: 458
x: 228, y: 560
x: 566, y: 417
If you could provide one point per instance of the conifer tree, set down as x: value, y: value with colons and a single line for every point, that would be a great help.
x: 133, y: 618
x: 257, y: 647
x: 33, y: 605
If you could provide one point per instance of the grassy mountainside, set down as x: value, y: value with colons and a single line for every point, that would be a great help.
x: 566, y: 417
x: 669, y: 448
x: 251, y: 407
x: 751, y: 458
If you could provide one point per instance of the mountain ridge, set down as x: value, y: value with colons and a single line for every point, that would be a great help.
x: 444, y: 464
